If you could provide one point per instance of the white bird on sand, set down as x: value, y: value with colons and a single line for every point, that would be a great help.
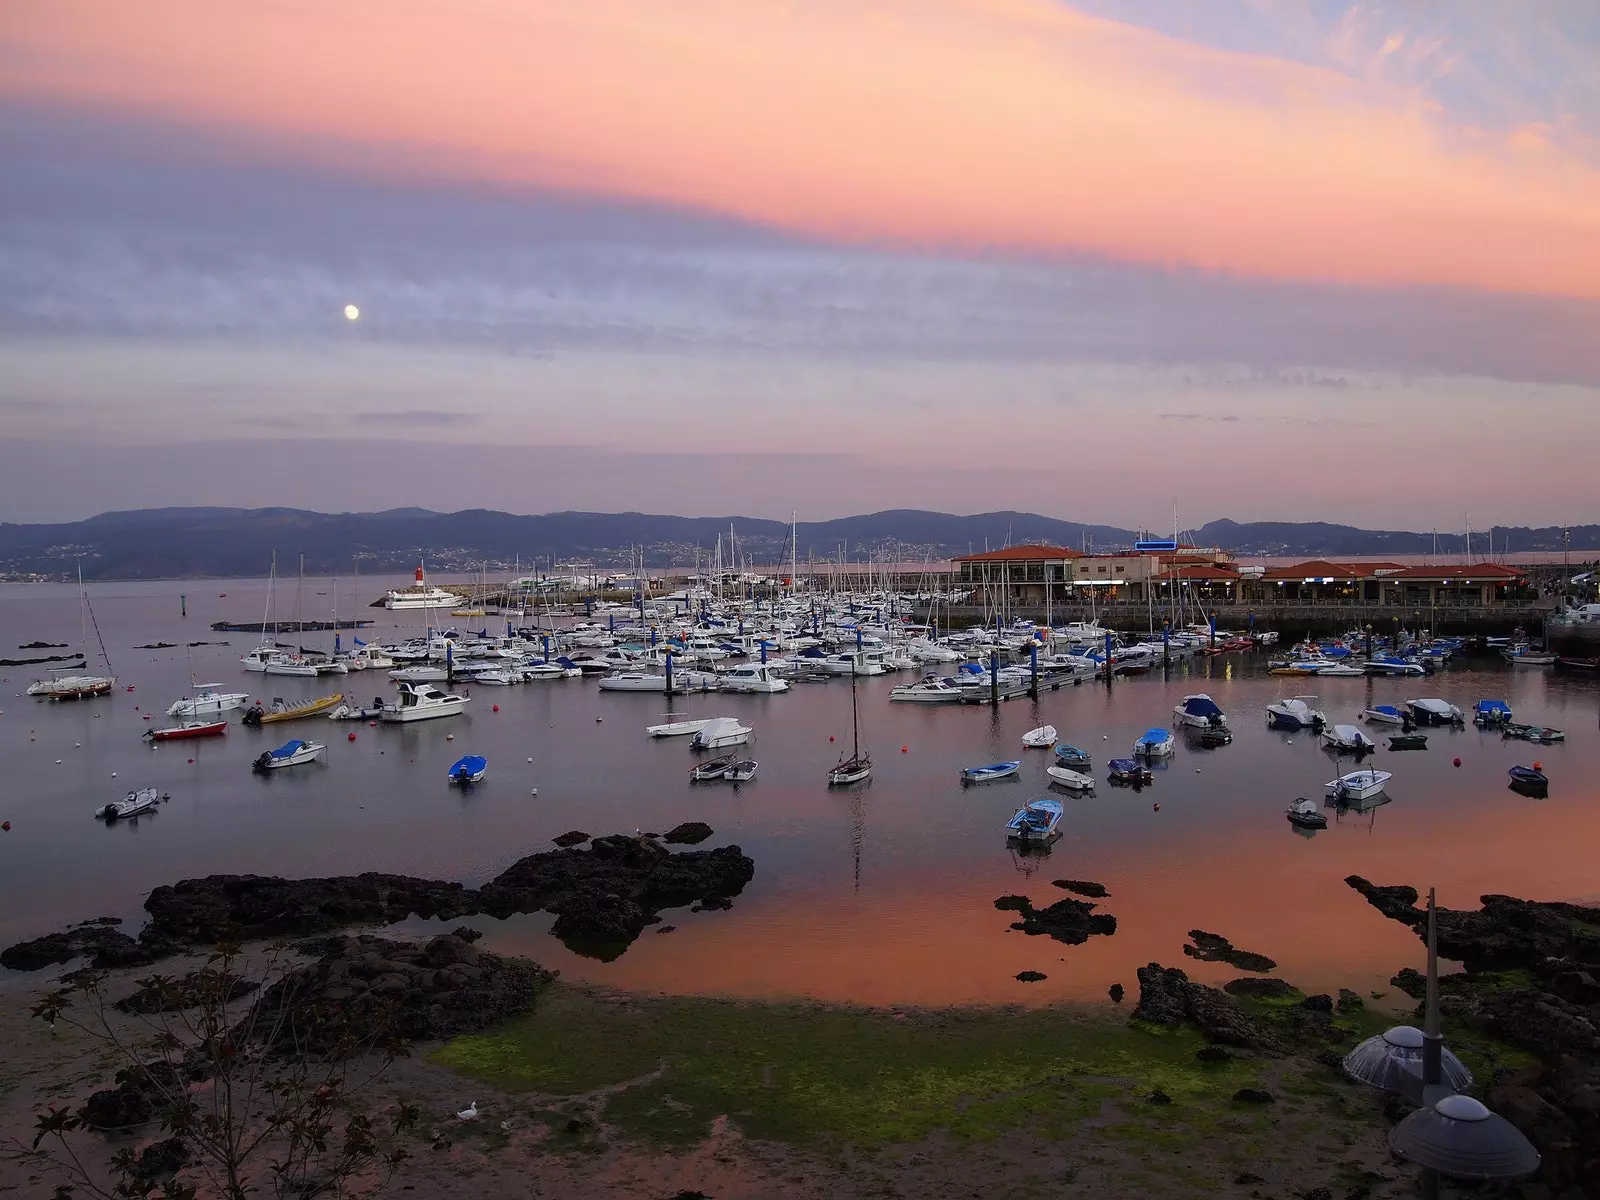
x: 468, y: 1114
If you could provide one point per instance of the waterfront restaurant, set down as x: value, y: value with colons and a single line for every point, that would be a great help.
x: 1320, y: 581
x: 1016, y: 574
x: 1477, y: 585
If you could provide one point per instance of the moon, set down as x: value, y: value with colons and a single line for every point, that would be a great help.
x: 351, y: 312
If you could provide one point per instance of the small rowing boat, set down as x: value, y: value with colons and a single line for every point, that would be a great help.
x: 990, y: 773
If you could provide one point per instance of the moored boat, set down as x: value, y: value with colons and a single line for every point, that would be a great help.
x: 679, y: 728
x: 1071, y: 757
x: 1408, y: 741
x: 1126, y: 770
x: 1383, y: 714
x: 290, y: 754
x: 422, y: 702
x: 741, y: 771
x: 720, y: 732
x: 469, y: 768
x: 712, y: 768
x: 1530, y: 778
x: 198, y: 729
x: 1199, y: 711
x: 1358, y: 785
x: 1075, y: 781
x: 280, y: 710
x: 1305, y: 814
x: 990, y: 773
x: 1154, y: 743
x: 1347, y: 739
x: 1038, y: 739
x: 1294, y: 713
x: 206, y: 702
x: 1036, y: 820
x: 1533, y: 733
x: 131, y: 805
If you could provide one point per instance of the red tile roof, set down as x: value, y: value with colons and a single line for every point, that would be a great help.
x: 1029, y: 553
x: 1475, y: 573
x: 1319, y: 568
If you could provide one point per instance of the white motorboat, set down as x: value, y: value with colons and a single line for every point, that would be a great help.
x: 131, y: 805
x: 928, y: 691
x: 1306, y: 815
x: 1383, y: 714
x: 1294, y: 713
x: 1433, y: 711
x: 753, y: 677
x: 1347, y: 739
x: 1358, y: 785
x: 206, y: 702
x: 290, y: 754
x: 680, y: 728
x: 925, y: 651
x: 1077, y: 781
x: 422, y: 702
x: 367, y: 658
x: 854, y: 662
x: 645, y: 681
x: 1036, y: 820
x: 741, y: 771
x: 421, y: 594
x: 1199, y: 711
x: 549, y: 670
x: 1041, y: 738
x: 1155, y: 743
x: 720, y: 732
x: 712, y: 768
x: 290, y: 664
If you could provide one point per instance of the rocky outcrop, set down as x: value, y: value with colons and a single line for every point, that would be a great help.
x: 158, y: 994
x: 1071, y: 921
x: 370, y: 987
x: 1168, y: 997
x: 603, y: 898
x: 1256, y: 988
x: 573, y: 837
x: 1213, y: 947
x: 1083, y: 887
x: 690, y: 833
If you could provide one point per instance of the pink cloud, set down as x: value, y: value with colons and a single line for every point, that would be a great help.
x: 974, y: 123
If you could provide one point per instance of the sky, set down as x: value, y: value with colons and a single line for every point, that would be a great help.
x: 1267, y: 259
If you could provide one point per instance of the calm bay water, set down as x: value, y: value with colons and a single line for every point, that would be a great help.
x: 880, y: 895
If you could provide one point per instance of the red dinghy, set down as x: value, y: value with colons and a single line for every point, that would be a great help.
x: 176, y: 732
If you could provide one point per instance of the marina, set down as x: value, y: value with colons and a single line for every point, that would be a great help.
x: 898, y: 868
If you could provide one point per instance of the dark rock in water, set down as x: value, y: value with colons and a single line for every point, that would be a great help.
x: 1213, y: 947
x: 1071, y: 921
x: 572, y: 837
x: 1115, y: 992
x: 98, y: 921
x: 690, y: 833
x: 364, y: 986
x: 104, y: 945
x: 43, y: 646
x: 1030, y: 976
x: 1397, y: 902
x: 668, y: 929
x: 1261, y: 989
x: 1349, y: 1002
x: 1095, y: 891
x: 602, y: 897
x: 1214, y: 1055
x: 1252, y: 1096
x: 158, y: 646
x: 160, y: 1159
x: 157, y: 995
x: 1167, y: 997
x: 261, y: 906
x: 1158, y: 1097
x: 1320, y: 1003
x: 466, y: 933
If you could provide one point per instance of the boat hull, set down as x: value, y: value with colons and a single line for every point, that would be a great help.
x: 180, y: 733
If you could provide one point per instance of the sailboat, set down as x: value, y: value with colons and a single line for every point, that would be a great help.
x: 858, y: 766
x: 79, y: 687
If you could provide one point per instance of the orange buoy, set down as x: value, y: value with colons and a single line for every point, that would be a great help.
x: 1537, y: 765
x: 352, y: 735
x: 902, y: 749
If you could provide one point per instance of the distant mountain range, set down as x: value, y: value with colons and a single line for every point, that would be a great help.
x: 223, y: 542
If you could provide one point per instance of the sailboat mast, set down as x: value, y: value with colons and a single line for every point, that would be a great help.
x: 855, y: 727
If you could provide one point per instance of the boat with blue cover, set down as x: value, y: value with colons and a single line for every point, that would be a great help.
x: 1036, y: 821
x: 1071, y: 757
x: 1199, y: 711
x: 990, y: 773
x: 1126, y: 770
x: 290, y: 754
x: 469, y: 768
x: 1487, y: 713
x: 1384, y: 714
x: 1154, y: 743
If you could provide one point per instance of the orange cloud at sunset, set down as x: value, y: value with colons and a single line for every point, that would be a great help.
x: 1018, y: 124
